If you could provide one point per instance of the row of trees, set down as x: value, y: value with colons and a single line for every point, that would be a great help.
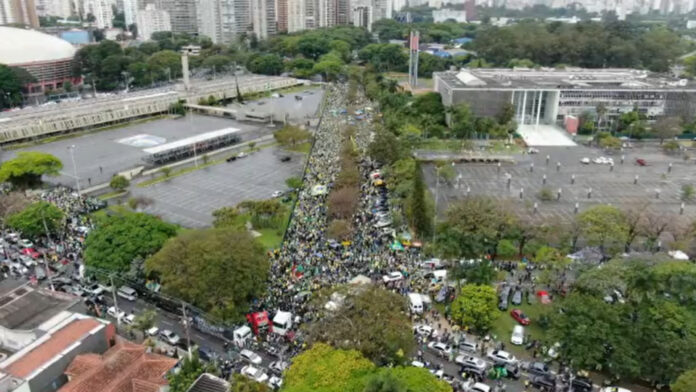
x: 480, y: 225
x: 586, y: 44
x: 219, y: 270
x: 345, y: 194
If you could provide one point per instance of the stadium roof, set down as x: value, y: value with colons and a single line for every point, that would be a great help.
x: 22, y: 47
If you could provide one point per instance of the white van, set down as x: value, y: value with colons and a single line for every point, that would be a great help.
x: 241, y: 334
x: 415, y: 303
x: 282, y: 323
x: 128, y: 293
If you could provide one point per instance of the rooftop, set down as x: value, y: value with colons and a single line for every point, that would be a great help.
x: 23, y: 47
x: 209, y: 383
x: 53, y: 346
x: 126, y: 367
x: 25, y: 308
x: 552, y: 78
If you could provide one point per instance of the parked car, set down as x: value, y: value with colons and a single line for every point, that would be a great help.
x: 278, y: 366
x: 392, y: 277
x: 517, y: 297
x: 470, y: 361
x: 425, y: 330
x: 504, y: 297
x: 169, y: 337
x: 442, y: 349
x: 26, y: 243
x: 581, y: 384
x: 250, y: 356
x: 614, y: 389
x: 255, y: 374
x: 129, y: 319
x: 501, y: 357
x: 548, y: 382
x: 115, y: 313
x: 153, y: 331
x: 519, y: 316
x: 517, y: 337
x: 468, y: 345
x: 538, y: 369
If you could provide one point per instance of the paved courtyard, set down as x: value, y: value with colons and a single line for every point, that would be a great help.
x: 298, y: 111
x: 593, y: 184
x: 190, y: 199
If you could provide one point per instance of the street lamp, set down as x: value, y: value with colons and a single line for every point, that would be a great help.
x: 72, y: 157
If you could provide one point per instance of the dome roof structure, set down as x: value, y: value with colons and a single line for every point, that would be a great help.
x: 22, y: 47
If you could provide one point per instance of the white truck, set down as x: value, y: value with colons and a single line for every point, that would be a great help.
x: 282, y: 323
x: 415, y: 303
x: 240, y: 335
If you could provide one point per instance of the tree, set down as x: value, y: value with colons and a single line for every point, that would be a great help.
x: 371, y: 320
x: 610, y: 142
x: 294, y: 183
x: 226, y: 217
x: 326, y: 369
x: 191, y: 368
x: 30, y: 221
x: 166, y: 64
x: 421, y: 218
x: 218, y: 270
x: 476, y: 307
x: 12, y: 80
x: 405, y: 379
x: 473, y: 227
x: 218, y: 62
x: 118, y: 239
x: 667, y: 128
x: 26, y: 169
x: 119, y: 183
x: 12, y: 203
x: 330, y: 66
x: 686, y: 382
x: 241, y: 383
x: 384, y: 148
x: 339, y: 229
x: 603, y: 226
x: 290, y: 135
x: 144, y: 321
x: 475, y: 272
x: 267, y: 64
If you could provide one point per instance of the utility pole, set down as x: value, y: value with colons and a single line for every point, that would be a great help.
x: 186, y: 325
x: 113, y: 292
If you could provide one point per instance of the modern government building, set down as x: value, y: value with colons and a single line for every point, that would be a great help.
x: 548, y: 96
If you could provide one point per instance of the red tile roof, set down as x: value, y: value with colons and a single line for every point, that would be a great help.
x: 59, y: 341
x: 126, y: 367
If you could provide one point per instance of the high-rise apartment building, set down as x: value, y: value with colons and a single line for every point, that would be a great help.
x: 224, y: 20
x: 130, y: 11
x: 18, y: 12
x: 102, y: 12
x: 263, y: 18
x: 281, y: 7
x: 182, y: 14
x: 151, y: 20
x: 362, y: 17
x: 296, y: 15
x: 60, y: 8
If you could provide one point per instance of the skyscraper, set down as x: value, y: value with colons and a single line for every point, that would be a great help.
x: 225, y: 20
x: 18, y: 12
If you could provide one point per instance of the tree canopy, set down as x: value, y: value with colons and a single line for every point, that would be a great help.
x: 372, y: 321
x: 218, y: 270
x: 291, y: 135
x: 325, y: 369
x: 12, y: 80
x: 27, y: 168
x: 30, y: 221
x: 476, y: 307
x: 118, y: 239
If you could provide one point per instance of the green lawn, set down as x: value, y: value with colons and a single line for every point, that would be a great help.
x: 111, y: 195
x: 302, y: 147
x: 435, y: 144
x: 270, y: 238
x: 502, y: 328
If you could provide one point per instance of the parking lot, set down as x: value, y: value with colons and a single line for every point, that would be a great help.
x: 298, y: 111
x: 627, y: 184
x: 101, y: 154
x: 190, y: 199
